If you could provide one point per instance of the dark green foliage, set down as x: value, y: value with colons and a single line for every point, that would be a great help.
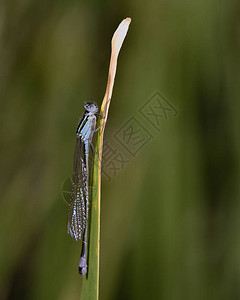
x: 170, y: 218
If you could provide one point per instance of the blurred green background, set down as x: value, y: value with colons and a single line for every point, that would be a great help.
x: 170, y: 223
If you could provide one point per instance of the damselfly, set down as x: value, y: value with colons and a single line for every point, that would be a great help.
x: 78, y: 211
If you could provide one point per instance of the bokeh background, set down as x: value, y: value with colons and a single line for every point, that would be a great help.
x: 171, y: 217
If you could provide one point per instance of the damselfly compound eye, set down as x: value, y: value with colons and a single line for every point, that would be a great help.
x: 91, y: 107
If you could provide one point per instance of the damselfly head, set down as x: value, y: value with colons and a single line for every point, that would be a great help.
x: 91, y: 107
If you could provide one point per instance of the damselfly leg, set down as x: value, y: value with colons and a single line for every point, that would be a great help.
x: 103, y: 124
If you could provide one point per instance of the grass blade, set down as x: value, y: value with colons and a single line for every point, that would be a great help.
x: 90, y: 287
